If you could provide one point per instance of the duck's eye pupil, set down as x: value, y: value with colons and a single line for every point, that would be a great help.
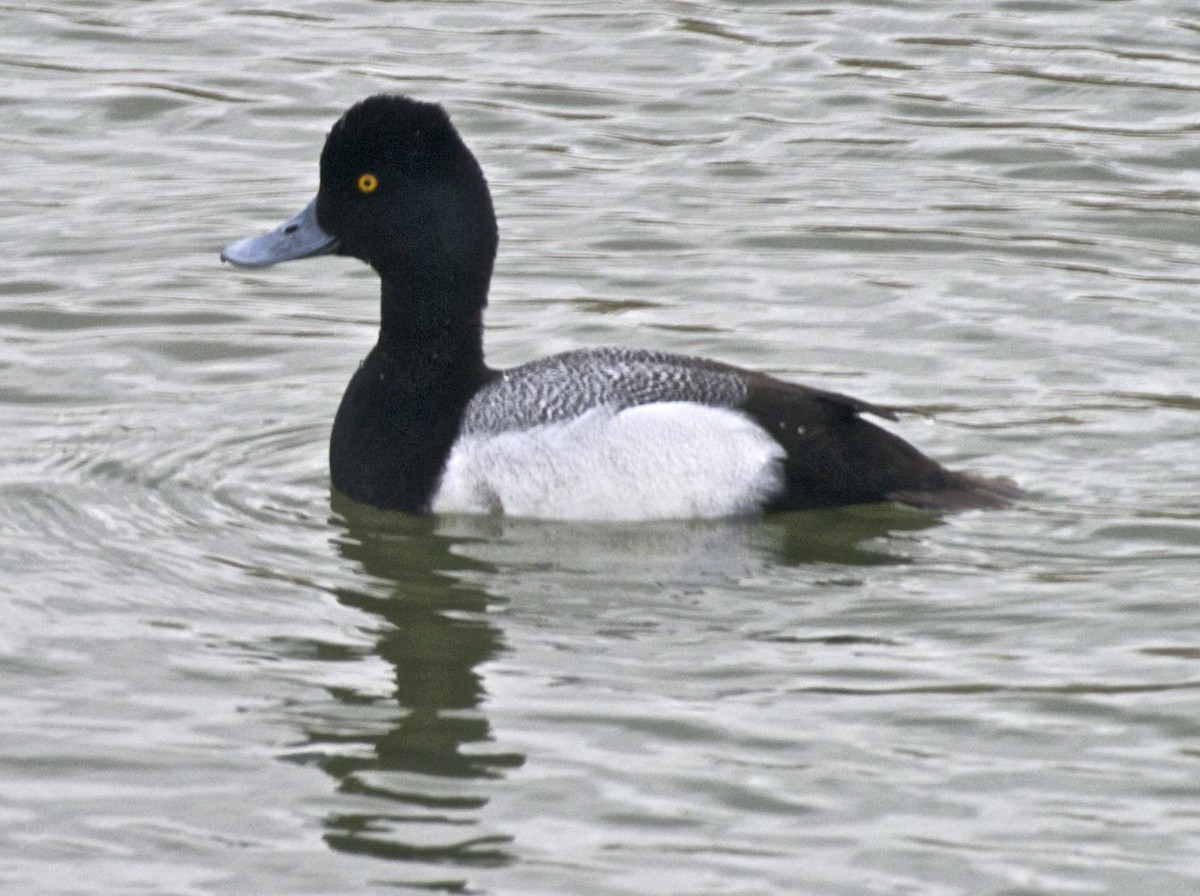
x: 367, y: 183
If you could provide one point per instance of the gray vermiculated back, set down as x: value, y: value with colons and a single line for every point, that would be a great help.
x: 563, y: 386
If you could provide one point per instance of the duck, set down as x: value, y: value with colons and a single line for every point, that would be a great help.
x: 605, y: 433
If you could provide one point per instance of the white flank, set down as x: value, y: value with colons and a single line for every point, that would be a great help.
x: 670, y: 460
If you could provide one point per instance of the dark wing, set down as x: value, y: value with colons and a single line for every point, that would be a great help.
x: 835, y: 457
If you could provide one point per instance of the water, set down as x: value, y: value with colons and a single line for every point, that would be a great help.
x: 215, y: 682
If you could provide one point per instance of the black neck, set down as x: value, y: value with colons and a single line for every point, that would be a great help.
x: 402, y: 409
x: 428, y: 327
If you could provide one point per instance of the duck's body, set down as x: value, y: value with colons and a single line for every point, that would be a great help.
x: 608, y: 433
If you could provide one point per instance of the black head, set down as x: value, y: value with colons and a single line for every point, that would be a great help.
x: 401, y: 191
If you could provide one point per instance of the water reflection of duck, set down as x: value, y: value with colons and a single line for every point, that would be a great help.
x: 422, y: 759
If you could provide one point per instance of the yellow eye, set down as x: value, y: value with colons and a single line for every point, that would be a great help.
x: 367, y: 183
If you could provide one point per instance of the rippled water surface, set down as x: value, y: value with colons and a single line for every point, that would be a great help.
x: 214, y: 681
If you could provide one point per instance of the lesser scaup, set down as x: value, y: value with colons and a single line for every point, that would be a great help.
x: 608, y: 433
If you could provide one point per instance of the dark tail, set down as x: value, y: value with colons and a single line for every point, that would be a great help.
x: 961, y: 491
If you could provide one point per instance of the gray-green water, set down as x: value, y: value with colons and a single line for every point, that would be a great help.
x: 213, y: 682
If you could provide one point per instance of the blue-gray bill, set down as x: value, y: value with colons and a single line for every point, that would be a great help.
x: 298, y: 237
